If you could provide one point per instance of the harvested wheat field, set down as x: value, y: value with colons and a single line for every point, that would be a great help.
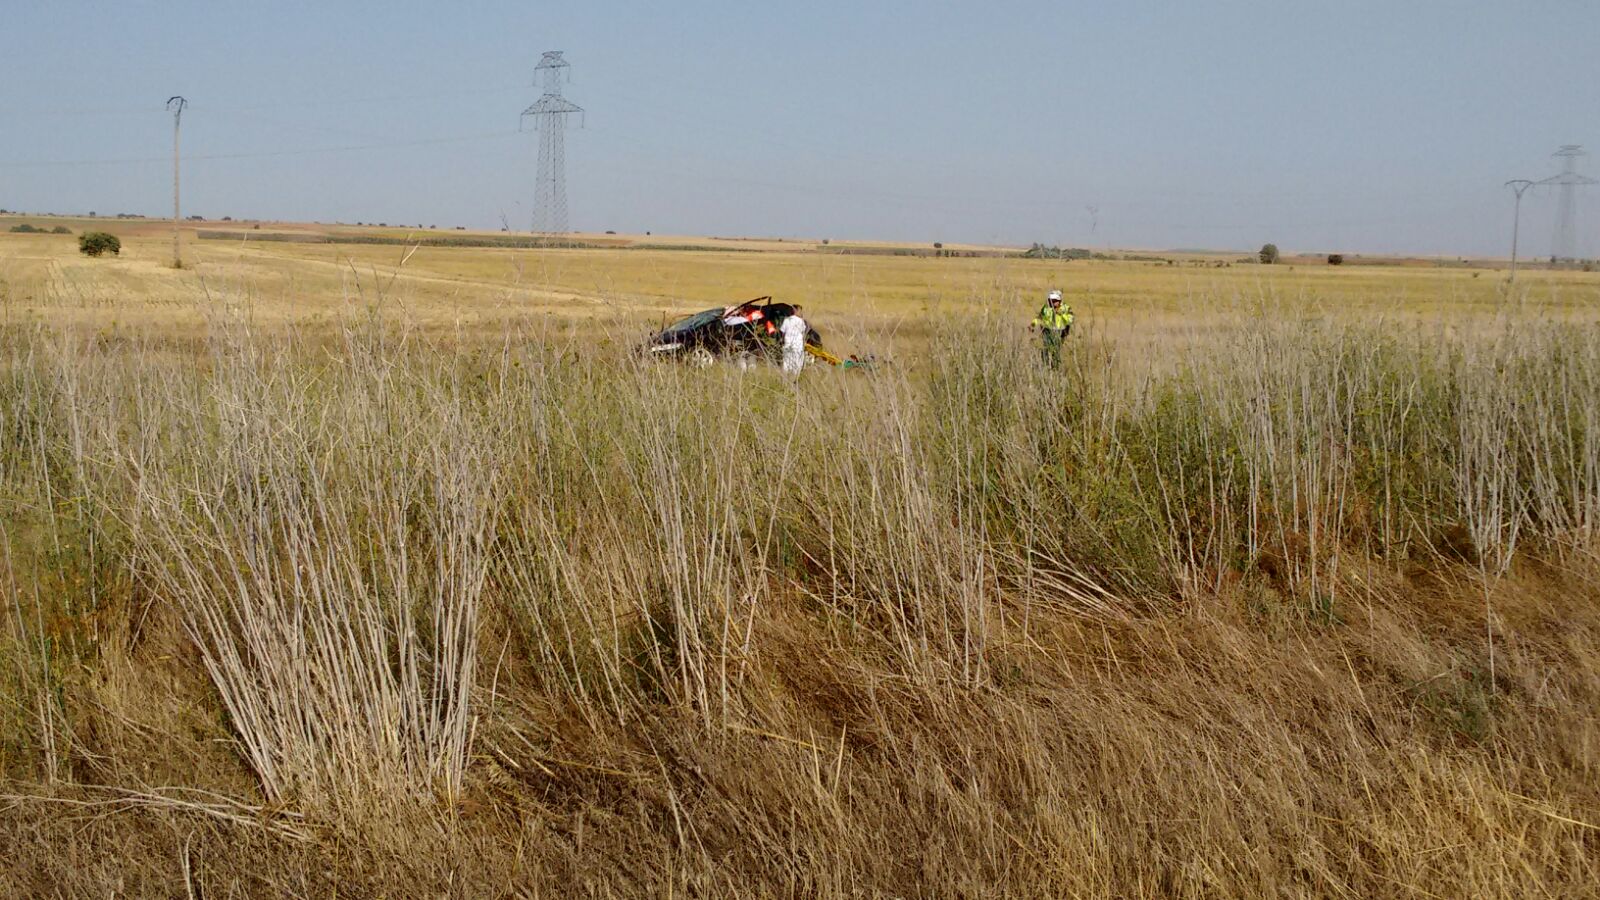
x: 340, y: 569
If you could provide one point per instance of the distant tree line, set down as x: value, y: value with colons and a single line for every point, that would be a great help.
x: 1041, y: 251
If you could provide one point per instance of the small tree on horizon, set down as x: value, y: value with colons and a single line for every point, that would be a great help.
x: 1269, y: 254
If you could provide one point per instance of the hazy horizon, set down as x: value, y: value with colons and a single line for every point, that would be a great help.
x: 1222, y: 126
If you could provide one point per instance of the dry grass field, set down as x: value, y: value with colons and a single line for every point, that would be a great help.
x: 371, y: 570
x: 485, y: 290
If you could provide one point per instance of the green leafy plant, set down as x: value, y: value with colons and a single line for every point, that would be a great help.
x: 98, y: 243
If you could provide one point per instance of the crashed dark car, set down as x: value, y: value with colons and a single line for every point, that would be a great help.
x: 745, y: 331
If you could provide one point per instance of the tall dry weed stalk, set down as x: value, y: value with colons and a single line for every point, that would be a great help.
x: 325, y: 532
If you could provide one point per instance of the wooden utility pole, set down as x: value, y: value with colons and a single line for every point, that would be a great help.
x: 176, y: 105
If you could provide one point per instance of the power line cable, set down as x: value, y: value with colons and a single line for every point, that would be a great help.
x: 950, y: 204
x: 142, y: 109
x: 263, y: 154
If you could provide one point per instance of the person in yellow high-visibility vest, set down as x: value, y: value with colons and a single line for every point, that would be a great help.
x: 1054, y: 322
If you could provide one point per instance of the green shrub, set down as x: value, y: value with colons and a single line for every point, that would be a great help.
x: 96, y: 243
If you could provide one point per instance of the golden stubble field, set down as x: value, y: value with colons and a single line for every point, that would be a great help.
x: 874, y: 301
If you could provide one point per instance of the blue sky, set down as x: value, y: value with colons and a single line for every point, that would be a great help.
x: 1359, y: 126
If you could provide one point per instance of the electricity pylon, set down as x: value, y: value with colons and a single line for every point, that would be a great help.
x: 550, y: 118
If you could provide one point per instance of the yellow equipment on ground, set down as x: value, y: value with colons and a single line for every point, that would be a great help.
x: 823, y: 355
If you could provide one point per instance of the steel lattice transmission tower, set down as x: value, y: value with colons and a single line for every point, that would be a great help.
x: 1564, y: 248
x: 550, y: 114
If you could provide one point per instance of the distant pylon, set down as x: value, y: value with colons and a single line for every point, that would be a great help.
x: 1564, y: 246
x: 550, y: 118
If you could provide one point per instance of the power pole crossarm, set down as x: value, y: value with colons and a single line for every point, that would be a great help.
x: 176, y: 105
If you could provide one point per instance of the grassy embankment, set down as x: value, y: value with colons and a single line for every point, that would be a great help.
x: 1304, y: 604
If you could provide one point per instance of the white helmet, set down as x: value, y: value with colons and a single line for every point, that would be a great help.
x: 1054, y: 296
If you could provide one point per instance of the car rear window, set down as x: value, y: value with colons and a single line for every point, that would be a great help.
x: 698, y: 320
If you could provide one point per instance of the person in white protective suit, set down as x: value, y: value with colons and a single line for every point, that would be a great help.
x: 794, y: 343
